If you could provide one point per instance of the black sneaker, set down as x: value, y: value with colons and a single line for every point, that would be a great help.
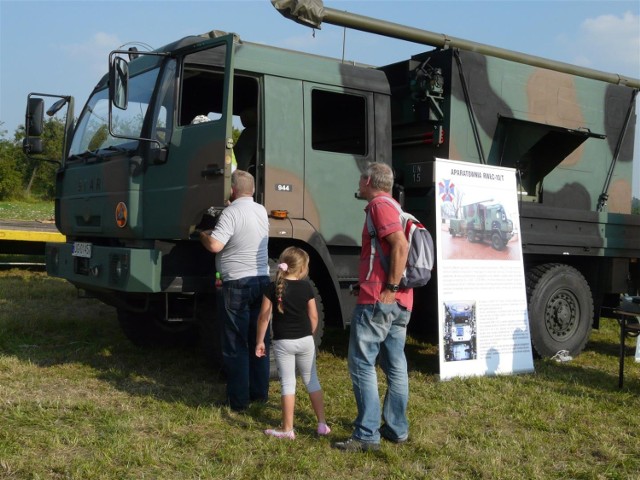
x: 354, y: 445
x: 386, y: 434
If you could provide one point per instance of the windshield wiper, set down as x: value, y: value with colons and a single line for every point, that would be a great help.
x: 117, y: 148
x: 86, y: 155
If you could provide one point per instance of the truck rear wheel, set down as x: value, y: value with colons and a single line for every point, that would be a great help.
x: 560, y: 309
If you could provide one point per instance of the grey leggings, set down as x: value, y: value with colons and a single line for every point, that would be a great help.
x: 301, y: 353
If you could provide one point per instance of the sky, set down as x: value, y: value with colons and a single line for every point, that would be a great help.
x: 62, y: 47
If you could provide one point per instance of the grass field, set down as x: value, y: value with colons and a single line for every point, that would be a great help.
x: 37, y: 211
x: 22, y: 210
x: 78, y: 401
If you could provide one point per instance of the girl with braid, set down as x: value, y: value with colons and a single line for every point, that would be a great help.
x: 295, y: 319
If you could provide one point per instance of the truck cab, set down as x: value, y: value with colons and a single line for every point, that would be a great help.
x: 150, y: 160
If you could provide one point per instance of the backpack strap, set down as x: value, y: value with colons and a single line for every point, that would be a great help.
x: 374, y: 241
x: 374, y: 238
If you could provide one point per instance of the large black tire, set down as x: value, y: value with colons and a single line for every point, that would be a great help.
x: 497, y: 242
x: 147, y: 329
x: 560, y: 309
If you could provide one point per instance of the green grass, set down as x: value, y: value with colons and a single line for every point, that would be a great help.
x: 78, y: 401
x: 24, y: 210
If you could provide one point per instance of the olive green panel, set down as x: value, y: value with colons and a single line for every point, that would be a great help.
x: 180, y: 188
x: 289, y: 64
x: 503, y: 88
x: 332, y: 180
x: 90, y: 194
x: 563, y: 231
x: 176, y: 191
x: 122, y: 269
x: 283, y: 146
x: 562, y: 100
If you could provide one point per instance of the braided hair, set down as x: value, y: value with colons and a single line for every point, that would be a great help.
x: 293, y: 261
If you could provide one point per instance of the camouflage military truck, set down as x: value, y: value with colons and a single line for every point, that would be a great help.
x: 483, y: 221
x: 149, y: 161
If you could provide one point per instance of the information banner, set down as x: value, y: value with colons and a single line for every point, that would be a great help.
x: 483, y: 321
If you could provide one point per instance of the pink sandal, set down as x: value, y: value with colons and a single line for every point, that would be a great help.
x: 323, y: 429
x: 280, y: 434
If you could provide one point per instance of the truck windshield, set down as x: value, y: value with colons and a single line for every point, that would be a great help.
x: 92, y: 132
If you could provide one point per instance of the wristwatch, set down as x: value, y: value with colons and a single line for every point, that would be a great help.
x: 394, y: 287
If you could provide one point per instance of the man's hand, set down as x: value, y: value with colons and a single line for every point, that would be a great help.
x: 387, y: 296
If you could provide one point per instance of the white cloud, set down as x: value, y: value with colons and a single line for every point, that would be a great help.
x: 93, y: 52
x: 610, y: 42
x: 105, y: 40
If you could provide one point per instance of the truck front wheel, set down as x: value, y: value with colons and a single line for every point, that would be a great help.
x: 560, y: 309
x: 496, y: 241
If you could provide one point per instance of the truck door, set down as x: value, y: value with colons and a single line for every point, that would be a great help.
x: 339, y: 142
x: 196, y: 172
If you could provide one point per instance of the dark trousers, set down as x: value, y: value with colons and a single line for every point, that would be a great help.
x: 247, y: 375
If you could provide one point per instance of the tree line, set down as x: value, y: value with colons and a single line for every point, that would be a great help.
x: 24, y: 178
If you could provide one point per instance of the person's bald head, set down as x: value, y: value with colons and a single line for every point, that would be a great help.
x: 242, y: 184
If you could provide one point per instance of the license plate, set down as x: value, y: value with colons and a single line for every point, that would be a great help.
x: 81, y: 249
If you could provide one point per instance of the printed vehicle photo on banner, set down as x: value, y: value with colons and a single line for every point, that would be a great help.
x: 483, y: 319
x: 459, y: 331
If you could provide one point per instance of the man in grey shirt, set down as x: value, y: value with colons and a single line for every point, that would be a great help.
x: 239, y: 241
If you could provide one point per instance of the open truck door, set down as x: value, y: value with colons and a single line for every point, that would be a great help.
x: 189, y: 162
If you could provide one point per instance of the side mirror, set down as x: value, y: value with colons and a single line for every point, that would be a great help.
x: 34, y: 119
x: 55, y: 108
x: 34, y: 125
x: 119, y: 83
x: 32, y: 145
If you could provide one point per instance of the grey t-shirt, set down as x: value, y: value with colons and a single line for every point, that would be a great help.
x: 243, y: 227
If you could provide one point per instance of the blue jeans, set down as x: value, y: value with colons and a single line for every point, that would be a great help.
x: 379, y: 331
x: 247, y: 375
